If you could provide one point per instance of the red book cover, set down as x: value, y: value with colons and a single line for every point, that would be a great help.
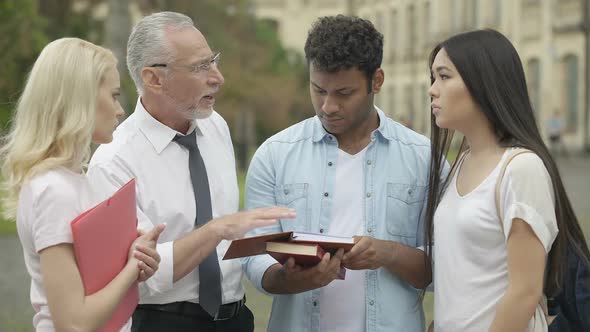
x: 102, y: 237
x: 305, y: 254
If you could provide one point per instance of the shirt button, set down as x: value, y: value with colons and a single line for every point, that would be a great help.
x: 371, y: 302
x: 321, y: 230
x: 330, y: 138
x: 329, y: 163
x: 410, y: 191
x: 368, y: 162
x: 286, y: 191
x: 315, y: 303
x: 369, y: 230
x: 326, y: 194
x: 368, y: 195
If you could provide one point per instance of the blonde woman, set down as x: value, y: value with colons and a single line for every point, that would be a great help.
x: 69, y: 101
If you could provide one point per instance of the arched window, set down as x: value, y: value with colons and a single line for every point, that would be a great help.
x: 571, y: 107
x: 533, y: 69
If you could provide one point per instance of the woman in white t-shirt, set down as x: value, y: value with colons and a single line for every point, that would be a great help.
x: 490, y: 273
x: 69, y: 101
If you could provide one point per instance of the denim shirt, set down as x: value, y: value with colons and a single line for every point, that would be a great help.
x: 296, y: 167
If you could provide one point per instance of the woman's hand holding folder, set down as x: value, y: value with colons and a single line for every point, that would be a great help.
x: 143, y: 252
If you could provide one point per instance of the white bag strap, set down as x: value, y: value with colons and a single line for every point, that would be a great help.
x: 543, y: 303
x: 499, y: 182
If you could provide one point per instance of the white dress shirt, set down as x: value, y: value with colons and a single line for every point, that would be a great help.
x: 142, y: 148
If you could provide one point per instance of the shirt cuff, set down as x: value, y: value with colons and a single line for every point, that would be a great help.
x: 255, y: 267
x: 163, y: 280
x: 544, y: 232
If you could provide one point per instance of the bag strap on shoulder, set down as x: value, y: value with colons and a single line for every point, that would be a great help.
x: 501, y: 177
x: 516, y: 152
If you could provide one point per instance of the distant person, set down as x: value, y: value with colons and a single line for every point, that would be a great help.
x: 180, y: 151
x: 69, y: 101
x: 348, y: 171
x: 555, y: 130
x: 492, y: 269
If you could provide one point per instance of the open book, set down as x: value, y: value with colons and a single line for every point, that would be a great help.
x: 306, y: 248
x: 256, y: 245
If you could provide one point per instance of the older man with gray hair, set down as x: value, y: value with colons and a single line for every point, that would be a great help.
x: 180, y: 151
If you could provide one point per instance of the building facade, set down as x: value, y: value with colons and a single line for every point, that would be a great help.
x: 550, y: 36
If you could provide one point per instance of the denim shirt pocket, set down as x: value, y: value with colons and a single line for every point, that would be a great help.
x: 294, y: 195
x: 404, y: 205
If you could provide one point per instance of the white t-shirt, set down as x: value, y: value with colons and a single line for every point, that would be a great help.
x: 471, y: 264
x: 47, y: 204
x: 342, y: 302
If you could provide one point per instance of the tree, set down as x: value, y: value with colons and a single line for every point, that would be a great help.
x: 265, y: 86
x: 23, y: 37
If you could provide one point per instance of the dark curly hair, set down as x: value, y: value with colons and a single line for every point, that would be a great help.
x: 343, y: 42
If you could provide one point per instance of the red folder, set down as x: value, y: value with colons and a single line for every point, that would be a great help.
x: 102, y: 237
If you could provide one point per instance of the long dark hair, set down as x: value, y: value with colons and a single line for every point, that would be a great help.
x: 493, y: 74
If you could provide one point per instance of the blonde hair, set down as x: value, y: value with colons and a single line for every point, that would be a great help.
x: 54, y: 118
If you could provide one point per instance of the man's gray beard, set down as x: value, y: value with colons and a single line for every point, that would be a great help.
x: 196, y: 113
x: 191, y: 113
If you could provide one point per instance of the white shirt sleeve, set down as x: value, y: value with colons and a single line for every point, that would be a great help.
x: 53, y: 211
x: 106, y: 179
x: 527, y: 193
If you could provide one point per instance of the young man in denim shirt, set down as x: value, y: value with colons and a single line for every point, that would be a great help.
x: 348, y: 171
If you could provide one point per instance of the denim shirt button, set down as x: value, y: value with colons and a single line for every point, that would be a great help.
x: 315, y: 303
x: 368, y: 195
x: 369, y: 230
x: 286, y: 191
x: 368, y: 162
x: 321, y: 230
x: 410, y: 191
x: 326, y: 194
x: 329, y: 163
x: 371, y: 302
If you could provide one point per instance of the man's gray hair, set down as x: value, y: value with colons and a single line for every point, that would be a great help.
x: 148, y: 45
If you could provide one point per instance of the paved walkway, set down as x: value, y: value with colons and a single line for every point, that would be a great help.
x: 16, y: 312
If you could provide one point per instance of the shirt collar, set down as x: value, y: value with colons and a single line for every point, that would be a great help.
x: 157, y: 133
x: 385, y: 129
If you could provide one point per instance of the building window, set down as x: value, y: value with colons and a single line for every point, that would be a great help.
x: 534, y: 83
x: 393, y: 33
x: 457, y: 17
x: 379, y: 21
x: 497, y: 12
x: 408, y: 118
x: 392, y: 106
x: 426, y: 24
x: 412, y: 31
x: 475, y: 15
x: 424, y: 112
x: 571, y: 91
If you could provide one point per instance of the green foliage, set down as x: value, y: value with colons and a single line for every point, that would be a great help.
x: 26, y: 27
x: 261, y: 77
x: 22, y: 39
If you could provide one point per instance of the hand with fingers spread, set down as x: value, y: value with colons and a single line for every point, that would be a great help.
x: 367, y: 254
x: 235, y: 226
x: 143, y: 250
x: 291, y: 278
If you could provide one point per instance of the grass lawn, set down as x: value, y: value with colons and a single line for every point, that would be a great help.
x: 7, y: 227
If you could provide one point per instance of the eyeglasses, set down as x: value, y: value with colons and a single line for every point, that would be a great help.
x: 204, y: 66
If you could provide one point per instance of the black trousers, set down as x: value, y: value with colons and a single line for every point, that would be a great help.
x: 146, y: 320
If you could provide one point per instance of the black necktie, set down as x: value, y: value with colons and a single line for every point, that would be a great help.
x: 209, y: 275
